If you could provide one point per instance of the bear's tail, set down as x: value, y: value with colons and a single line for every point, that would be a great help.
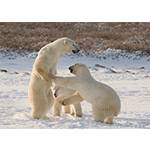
x: 118, y: 109
x: 116, y: 113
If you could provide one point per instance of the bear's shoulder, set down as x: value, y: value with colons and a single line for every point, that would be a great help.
x: 48, y: 49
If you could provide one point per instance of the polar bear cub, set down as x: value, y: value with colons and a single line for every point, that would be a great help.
x: 40, y: 93
x: 105, y: 101
x: 62, y: 93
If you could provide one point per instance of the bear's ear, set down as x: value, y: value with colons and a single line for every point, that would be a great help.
x: 81, y: 64
x: 65, y: 42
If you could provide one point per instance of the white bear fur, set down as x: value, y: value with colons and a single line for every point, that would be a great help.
x: 40, y: 93
x: 105, y: 101
x: 62, y: 93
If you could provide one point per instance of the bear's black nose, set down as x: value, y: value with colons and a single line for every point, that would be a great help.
x: 70, y: 68
x: 76, y: 51
x: 55, y: 94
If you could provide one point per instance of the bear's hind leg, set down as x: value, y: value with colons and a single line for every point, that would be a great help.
x: 109, y: 120
x: 39, y: 111
x: 39, y: 106
x: 97, y: 114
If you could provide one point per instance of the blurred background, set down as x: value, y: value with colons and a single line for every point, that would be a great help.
x: 89, y: 36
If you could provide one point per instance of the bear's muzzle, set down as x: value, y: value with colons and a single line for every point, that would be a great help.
x: 71, y: 70
x: 76, y: 51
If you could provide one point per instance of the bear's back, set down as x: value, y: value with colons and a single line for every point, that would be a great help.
x: 44, y: 49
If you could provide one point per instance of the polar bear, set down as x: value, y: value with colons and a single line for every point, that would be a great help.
x: 105, y: 101
x: 62, y: 93
x: 40, y: 93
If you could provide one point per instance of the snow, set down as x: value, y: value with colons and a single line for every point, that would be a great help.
x: 131, y: 81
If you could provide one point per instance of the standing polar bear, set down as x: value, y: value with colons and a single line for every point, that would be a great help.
x: 105, y: 101
x: 62, y: 93
x: 40, y: 93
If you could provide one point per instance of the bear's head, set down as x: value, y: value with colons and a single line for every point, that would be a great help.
x: 58, y: 90
x: 61, y: 91
x: 79, y: 69
x: 68, y: 46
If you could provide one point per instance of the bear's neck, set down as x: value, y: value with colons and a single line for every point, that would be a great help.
x: 57, y: 50
x: 86, y: 75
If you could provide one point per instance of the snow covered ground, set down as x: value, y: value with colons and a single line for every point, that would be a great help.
x: 131, y: 81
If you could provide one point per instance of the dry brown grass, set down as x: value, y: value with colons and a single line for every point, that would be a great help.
x: 21, y: 36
